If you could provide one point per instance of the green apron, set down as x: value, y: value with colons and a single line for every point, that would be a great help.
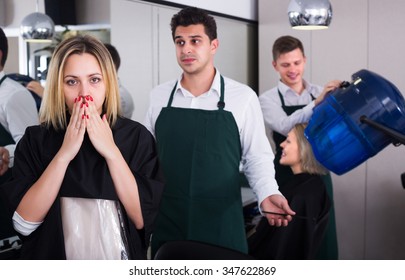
x: 328, y: 249
x: 200, y: 152
x: 5, y: 139
x: 6, y: 228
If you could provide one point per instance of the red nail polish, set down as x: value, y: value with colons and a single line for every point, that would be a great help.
x: 87, y: 104
x: 81, y: 105
x: 79, y: 98
x: 87, y: 97
x: 75, y: 99
x: 91, y: 98
x: 83, y: 116
x: 87, y: 116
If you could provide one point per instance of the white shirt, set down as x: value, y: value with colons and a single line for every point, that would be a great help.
x: 242, y: 102
x: 17, y: 111
x: 274, y: 116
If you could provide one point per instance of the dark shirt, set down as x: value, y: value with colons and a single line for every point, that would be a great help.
x: 307, y: 196
x: 87, y: 176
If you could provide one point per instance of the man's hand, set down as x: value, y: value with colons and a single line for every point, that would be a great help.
x: 36, y: 87
x: 277, y: 204
x: 332, y: 85
x: 4, y: 160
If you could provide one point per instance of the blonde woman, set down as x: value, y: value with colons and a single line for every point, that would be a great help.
x: 307, y: 196
x: 86, y: 181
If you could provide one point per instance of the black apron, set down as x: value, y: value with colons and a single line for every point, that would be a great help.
x: 5, y: 139
x: 6, y: 228
x: 329, y: 247
x: 200, y: 152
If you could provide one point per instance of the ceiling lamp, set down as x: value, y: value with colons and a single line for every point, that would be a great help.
x: 309, y: 14
x: 37, y: 27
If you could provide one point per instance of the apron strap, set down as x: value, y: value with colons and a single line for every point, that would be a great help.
x: 2, y: 79
x: 5, y: 136
x: 169, y: 104
x: 221, y: 103
x: 282, y: 99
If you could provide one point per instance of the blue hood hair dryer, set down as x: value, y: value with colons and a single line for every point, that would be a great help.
x: 356, y: 121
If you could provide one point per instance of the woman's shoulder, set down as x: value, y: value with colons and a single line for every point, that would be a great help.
x: 312, y: 180
x: 40, y: 139
x: 126, y: 122
x: 37, y: 131
x: 124, y: 125
x: 305, y: 183
x: 132, y: 137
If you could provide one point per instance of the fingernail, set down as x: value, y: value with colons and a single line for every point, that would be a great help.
x: 87, y: 116
x: 87, y: 104
x: 83, y: 116
x: 81, y: 105
x: 91, y: 98
x: 87, y: 97
x: 75, y: 99
x: 79, y: 98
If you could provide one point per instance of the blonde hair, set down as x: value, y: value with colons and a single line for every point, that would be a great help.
x: 309, y: 164
x: 53, y: 108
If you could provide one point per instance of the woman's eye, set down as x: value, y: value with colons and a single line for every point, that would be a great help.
x: 71, y: 82
x: 95, y: 80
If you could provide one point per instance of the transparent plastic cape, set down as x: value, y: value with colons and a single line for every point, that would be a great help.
x: 93, y: 229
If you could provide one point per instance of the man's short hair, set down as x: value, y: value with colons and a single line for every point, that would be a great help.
x: 114, y: 55
x: 3, y: 47
x: 286, y: 44
x: 191, y: 16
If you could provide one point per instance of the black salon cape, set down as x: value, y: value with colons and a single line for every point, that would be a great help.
x: 307, y: 196
x: 87, y: 176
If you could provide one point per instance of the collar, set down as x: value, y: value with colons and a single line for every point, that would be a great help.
x: 284, y: 89
x: 214, y: 89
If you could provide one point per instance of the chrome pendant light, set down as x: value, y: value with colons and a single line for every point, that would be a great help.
x: 310, y: 14
x: 37, y: 27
